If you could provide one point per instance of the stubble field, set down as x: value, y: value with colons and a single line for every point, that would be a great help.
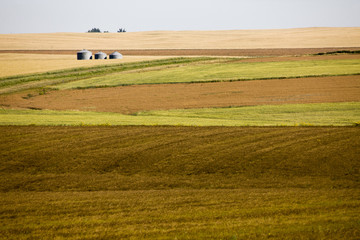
x: 179, y: 182
x: 237, y: 39
x: 19, y: 63
x: 292, y: 170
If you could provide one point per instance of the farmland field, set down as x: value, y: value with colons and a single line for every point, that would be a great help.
x: 223, y: 72
x: 179, y: 182
x: 182, y: 214
x: 178, y: 96
x: 321, y: 114
x: 254, y: 136
x: 28, y: 81
x: 237, y: 39
x: 17, y: 64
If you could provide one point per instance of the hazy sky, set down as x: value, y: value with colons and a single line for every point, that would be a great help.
x: 39, y: 16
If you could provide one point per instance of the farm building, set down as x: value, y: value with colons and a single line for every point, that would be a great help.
x: 100, y: 55
x: 115, y: 55
x: 84, y: 55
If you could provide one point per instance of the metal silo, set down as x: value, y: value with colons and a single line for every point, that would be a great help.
x: 84, y: 55
x: 100, y: 55
x: 115, y: 55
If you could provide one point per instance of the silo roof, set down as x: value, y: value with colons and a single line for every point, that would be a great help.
x: 116, y: 53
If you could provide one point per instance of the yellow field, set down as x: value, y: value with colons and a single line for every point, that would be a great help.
x: 15, y: 63
x: 236, y: 39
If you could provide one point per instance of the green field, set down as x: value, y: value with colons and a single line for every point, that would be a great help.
x: 178, y: 70
x: 179, y: 182
x: 320, y: 114
x: 29, y: 81
x: 231, y: 71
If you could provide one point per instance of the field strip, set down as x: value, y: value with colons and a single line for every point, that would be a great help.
x: 113, y: 75
x: 136, y: 98
x: 248, y: 213
x: 219, y: 72
x: 22, y: 82
x: 13, y: 64
x: 186, y: 72
x: 107, y: 158
x: 321, y: 114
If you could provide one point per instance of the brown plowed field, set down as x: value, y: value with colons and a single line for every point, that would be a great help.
x: 131, y: 99
x: 197, y: 52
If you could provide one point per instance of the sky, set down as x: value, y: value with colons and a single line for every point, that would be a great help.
x: 46, y: 16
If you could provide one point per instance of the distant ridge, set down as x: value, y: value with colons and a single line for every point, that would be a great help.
x: 230, y: 39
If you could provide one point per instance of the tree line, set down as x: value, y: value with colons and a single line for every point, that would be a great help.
x: 97, y: 30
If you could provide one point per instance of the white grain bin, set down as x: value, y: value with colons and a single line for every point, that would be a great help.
x: 115, y: 55
x: 100, y: 55
x: 84, y: 55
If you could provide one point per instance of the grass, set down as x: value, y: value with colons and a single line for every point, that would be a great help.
x: 215, y: 72
x: 319, y: 114
x: 179, y: 182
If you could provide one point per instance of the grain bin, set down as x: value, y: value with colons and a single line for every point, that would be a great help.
x: 100, y: 55
x: 84, y: 55
x: 115, y: 55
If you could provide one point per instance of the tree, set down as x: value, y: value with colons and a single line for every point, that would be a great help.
x: 94, y: 30
x: 121, y: 30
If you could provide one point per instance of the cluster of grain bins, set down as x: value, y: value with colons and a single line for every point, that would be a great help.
x: 87, y: 55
